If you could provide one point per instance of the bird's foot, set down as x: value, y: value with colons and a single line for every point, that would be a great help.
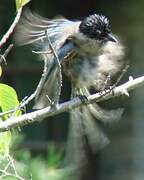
x: 83, y: 98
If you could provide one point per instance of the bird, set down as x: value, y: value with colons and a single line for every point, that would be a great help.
x: 88, y: 53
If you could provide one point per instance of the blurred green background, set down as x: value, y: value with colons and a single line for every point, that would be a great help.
x: 123, y: 158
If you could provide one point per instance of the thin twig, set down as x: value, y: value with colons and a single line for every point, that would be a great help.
x: 12, y: 164
x: 104, y: 91
x: 11, y: 29
x: 121, y: 75
x: 43, y: 78
x: 7, y: 166
x: 4, y: 55
x: 56, y: 58
x: 8, y: 50
x: 22, y: 105
x: 5, y: 172
x: 26, y: 100
x: 39, y: 86
x: 41, y: 52
x: 36, y: 93
x: 68, y: 106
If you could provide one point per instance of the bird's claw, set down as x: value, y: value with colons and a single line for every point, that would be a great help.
x: 83, y: 98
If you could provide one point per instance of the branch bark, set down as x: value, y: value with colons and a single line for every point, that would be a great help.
x: 11, y: 29
x: 67, y: 106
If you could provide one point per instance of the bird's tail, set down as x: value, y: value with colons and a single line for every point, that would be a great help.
x: 86, y: 135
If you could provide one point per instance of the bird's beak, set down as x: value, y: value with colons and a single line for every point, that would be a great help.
x: 110, y: 37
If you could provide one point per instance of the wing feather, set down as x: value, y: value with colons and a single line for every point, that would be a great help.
x: 32, y: 29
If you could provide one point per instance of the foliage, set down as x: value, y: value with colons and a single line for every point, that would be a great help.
x: 8, y: 101
x: 23, y: 166
x: 36, y: 168
x: 21, y: 3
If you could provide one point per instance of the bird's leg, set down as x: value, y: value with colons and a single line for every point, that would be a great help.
x: 83, y: 98
x: 81, y: 95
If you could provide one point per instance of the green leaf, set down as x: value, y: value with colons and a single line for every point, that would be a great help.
x: 0, y: 71
x: 21, y: 3
x: 5, y: 141
x: 8, y: 100
x: 54, y: 157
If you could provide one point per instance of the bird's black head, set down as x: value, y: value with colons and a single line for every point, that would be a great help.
x: 97, y: 27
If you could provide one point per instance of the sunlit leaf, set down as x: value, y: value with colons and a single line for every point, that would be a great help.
x: 5, y: 141
x: 0, y: 71
x: 21, y: 3
x: 8, y: 101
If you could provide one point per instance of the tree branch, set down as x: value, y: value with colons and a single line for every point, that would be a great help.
x: 67, y: 106
x: 4, y: 55
x: 5, y: 172
x: 27, y: 99
x: 11, y: 29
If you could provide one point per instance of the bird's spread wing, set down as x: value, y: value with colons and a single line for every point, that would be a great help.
x: 50, y: 85
x: 32, y: 29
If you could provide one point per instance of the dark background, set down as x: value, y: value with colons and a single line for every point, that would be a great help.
x: 123, y: 158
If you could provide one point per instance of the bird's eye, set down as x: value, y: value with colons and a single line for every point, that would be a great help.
x: 103, y: 34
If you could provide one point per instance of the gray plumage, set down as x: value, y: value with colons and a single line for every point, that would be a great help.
x: 88, y: 53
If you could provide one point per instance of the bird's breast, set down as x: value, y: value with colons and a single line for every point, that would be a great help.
x: 81, y: 70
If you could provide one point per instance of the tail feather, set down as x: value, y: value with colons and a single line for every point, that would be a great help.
x: 84, y: 133
x: 106, y: 116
